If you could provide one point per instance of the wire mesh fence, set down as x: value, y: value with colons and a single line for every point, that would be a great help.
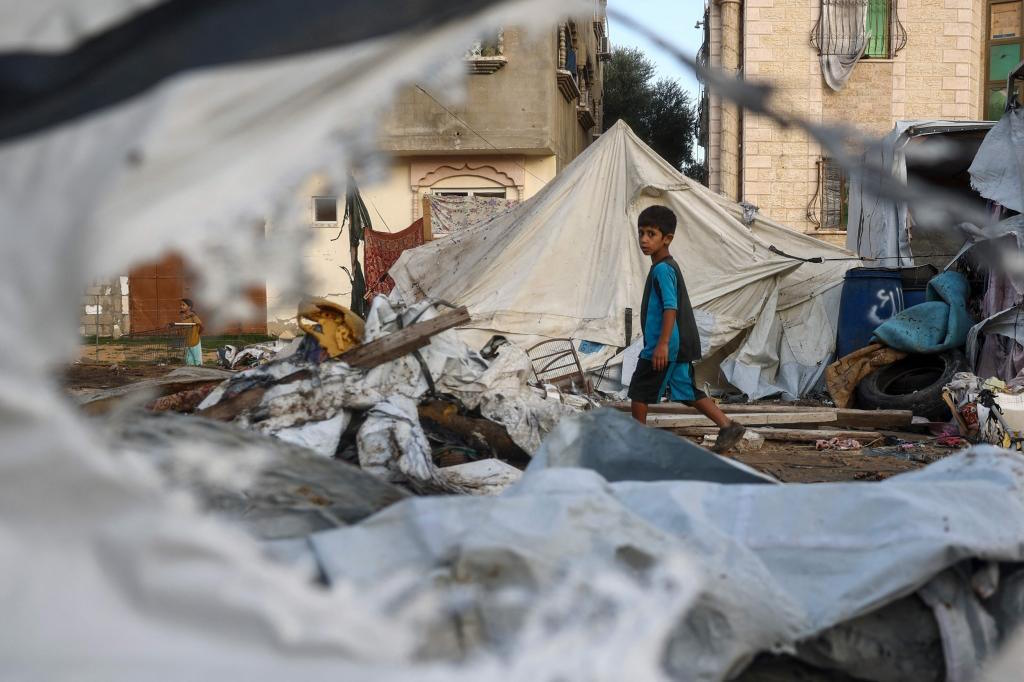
x: 107, y: 338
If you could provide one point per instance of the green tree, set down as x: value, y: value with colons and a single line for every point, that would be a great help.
x: 659, y: 112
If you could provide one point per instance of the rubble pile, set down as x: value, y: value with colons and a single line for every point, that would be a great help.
x: 419, y: 419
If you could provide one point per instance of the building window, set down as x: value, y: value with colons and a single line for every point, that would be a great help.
x: 1002, y: 53
x: 830, y: 205
x: 492, y: 192
x: 878, y: 29
x: 846, y: 28
x: 325, y: 211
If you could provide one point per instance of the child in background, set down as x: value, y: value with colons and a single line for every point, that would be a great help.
x: 671, y: 340
x: 193, y: 345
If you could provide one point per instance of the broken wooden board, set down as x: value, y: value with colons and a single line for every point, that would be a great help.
x: 403, y: 341
x: 790, y: 435
x: 675, y: 421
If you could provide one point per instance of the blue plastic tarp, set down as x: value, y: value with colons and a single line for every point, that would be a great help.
x: 939, y: 324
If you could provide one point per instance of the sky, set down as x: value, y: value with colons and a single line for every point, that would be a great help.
x: 673, y: 20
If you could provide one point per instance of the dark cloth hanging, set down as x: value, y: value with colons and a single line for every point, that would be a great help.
x: 358, y: 220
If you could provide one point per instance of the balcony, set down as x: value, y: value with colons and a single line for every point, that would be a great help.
x: 585, y: 110
x: 567, y: 85
x: 565, y: 74
x: 486, y: 57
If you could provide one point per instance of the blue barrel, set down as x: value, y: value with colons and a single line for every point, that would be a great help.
x: 913, y: 296
x: 915, y: 283
x: 870, y: 297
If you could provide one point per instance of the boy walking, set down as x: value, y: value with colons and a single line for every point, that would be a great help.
x: 193, y: 347
x: 671, y: 340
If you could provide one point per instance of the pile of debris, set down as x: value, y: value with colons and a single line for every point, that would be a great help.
x: 399, y: 395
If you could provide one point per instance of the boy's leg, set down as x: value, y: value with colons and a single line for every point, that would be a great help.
x: 729, y: 432
x: 707, y: 407
x: 639, y: 411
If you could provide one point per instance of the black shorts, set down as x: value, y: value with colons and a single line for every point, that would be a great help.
x: 675, y: 382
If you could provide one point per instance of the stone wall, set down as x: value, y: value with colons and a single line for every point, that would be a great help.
x: 937, y: 75
x: 105, y: 308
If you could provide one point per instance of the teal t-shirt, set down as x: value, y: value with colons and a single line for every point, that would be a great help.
x: 663, y: 296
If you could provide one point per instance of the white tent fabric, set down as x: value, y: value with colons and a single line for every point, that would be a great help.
x: 566, y: 264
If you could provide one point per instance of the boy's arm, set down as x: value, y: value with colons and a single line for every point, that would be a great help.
x: 660, y: 357
x: 665, y: 277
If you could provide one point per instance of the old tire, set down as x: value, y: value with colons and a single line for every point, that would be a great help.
x: 914, y: 383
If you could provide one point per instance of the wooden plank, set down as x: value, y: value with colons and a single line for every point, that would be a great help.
x: 428, y: 230
x: 665, y: 421
x: 875, y: 419
x: 791, y: 435
x: 870, y: 419
x: 404, y: 341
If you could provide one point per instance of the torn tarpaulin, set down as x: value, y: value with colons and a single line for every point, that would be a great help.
x: 607, y: 442
x: 775, y: 561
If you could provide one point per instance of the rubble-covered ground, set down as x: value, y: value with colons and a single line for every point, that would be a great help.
x: 788, y: 462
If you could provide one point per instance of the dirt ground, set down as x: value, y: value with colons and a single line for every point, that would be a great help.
x: 801, y: 463
x: 89, y: 376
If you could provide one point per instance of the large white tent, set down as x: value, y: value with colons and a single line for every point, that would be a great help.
x: 566, y: 264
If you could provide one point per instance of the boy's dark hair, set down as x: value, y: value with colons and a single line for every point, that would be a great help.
x: 188, y: 302
x: 660, y: 217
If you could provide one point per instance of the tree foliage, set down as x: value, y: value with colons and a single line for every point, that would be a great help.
x: 659, y: 111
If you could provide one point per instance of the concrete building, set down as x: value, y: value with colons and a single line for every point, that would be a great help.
x: 533, y: 103
x: 922, y: 59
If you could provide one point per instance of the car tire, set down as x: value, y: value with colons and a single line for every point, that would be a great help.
x: 914, y: 383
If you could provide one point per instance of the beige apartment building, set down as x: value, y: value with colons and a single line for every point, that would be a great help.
x: 533, y: 103
x: 865, y: 63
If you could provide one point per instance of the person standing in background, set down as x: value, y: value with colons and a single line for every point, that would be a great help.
x: 193, y: 344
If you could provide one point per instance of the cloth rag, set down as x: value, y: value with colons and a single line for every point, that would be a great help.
x: 842, y: 376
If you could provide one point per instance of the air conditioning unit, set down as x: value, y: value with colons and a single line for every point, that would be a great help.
x: 604, y: 49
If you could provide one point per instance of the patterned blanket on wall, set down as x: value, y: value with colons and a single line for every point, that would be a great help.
x: 382, y: 249
x: 450, y: 214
